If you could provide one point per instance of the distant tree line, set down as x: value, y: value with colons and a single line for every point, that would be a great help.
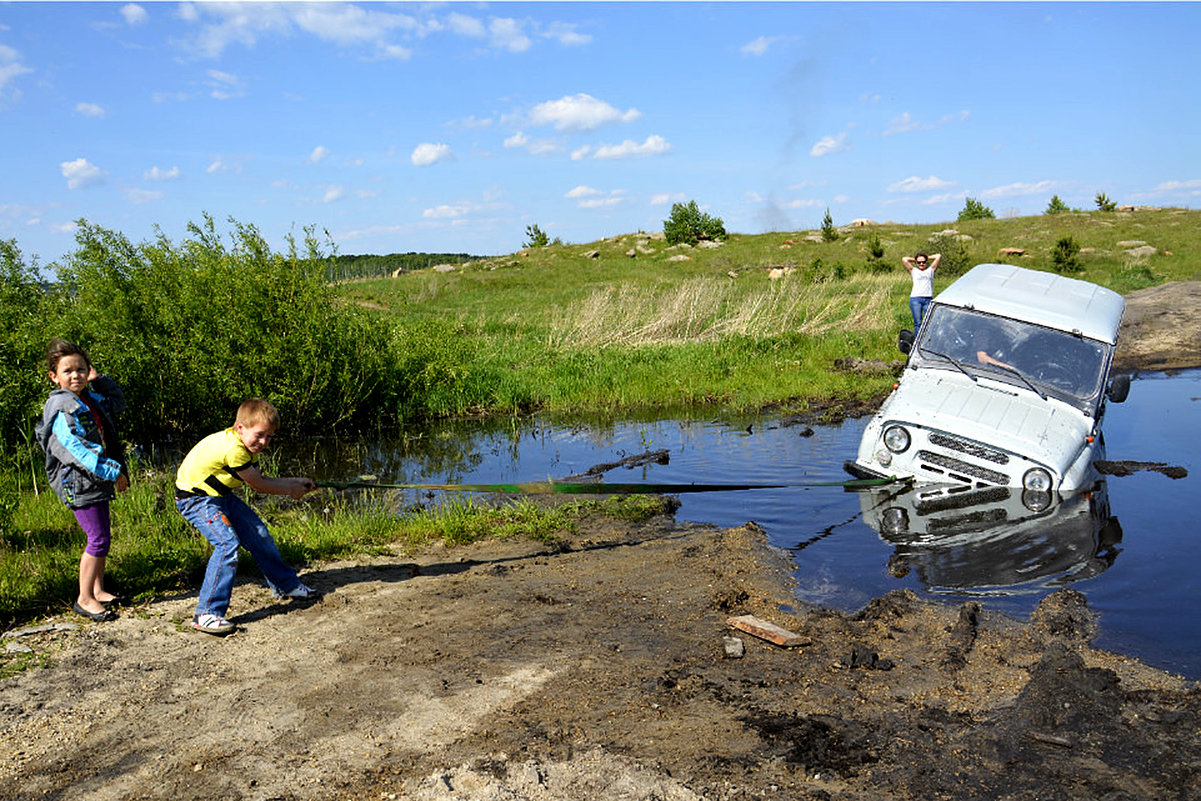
x: 342, y: 267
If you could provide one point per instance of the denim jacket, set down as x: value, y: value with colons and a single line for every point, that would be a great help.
x: 84, y: 455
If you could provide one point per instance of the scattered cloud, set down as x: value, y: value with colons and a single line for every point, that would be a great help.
x: 444, y: 212
x: 89, y: 110
x: 566, y: 34
x: 1018, y: 189
x: 830, y: 144
x: 906, y: 123
x: 332, y: 192
x: 81, y: 173
x: 139, y: 196
x: 10, y: 68
x: 224, y: 85
x: 579, y: 112
x: 156, y: 174
x: 663, y: 198
x: 654, y: 145
x: 587, y: 197
x: 318, y: 155
x: 134, y: 14
x: 916, y: 184
x: 760, y: 46
x: 426, y: 154
x: 508, y: 34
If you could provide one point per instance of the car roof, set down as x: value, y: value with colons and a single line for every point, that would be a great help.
x: 1068, y: 304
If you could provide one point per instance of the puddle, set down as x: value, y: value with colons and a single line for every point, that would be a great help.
x: 1127, y: 542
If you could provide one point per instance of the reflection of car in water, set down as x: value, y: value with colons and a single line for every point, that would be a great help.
x: 1006, y: 385
x: 995, y: 540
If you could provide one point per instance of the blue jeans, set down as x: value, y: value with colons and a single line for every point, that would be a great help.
x: 228, y: 522
x: 917, y: 307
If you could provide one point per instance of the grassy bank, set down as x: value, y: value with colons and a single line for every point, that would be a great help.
x: 155, y: 552
x: 629, y: 323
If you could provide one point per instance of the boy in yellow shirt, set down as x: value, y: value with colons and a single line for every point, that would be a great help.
x: 204, y: 486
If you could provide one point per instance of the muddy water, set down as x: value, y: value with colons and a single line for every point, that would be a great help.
x: 1128, y: 544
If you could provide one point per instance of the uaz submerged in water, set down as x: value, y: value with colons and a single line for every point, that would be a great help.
x: 1006, y: 385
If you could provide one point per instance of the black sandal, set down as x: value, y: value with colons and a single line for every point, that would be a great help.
x: 103, y: 616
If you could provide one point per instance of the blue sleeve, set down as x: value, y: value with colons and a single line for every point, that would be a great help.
x: 70, y: 448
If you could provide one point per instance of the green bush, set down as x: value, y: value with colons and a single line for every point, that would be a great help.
x: 1065, y: 255
x: 956, y: 260
x: 1056, y: 206
x: 1104, y: 203
x: 975, y: 210
x: 829, y: 232
x: 24, y: 306
x: 688, y: 224
x: 191, y: 330
x: 875, y: 256
x: 535, y: 237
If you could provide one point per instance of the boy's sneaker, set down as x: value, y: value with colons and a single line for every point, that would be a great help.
x: 212, y: 624
x: 299, y: 591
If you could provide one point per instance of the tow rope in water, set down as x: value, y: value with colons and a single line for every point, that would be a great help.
x: 603, y: 488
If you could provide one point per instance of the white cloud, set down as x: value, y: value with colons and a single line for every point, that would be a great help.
x: 224, y: 85
x: 518, y: 139
x: 332, y: 193
x: 508, y: 34
x: 654, y: 145
x: 565, y: 34
x: 134, y: 14
x: 803, y: 204
x: 89, y: 109
x: 579, y: 112
x: 1190, y: 187
x: 444, y: 212
x: 906, y: 123
x: 81, y: 173
x: 830, y: 144
x: 663, y: 198
x: 426, y: 154
x: 759, y: 46
x: 915, y: 184
x: 318, y: 155
x: 589, y: 198
x: 10, y: 66
x: 139, y: 196
x: 156, y: 174
x: 466, y: 26
x: 1017, y: 189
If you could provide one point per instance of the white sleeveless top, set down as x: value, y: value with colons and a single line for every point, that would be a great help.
x: 923, y: 283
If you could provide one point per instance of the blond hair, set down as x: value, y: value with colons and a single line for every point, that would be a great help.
x: 257, y: 410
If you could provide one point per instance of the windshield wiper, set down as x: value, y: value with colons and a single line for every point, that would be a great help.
x: 952, y: 360
x: 1011, y: 369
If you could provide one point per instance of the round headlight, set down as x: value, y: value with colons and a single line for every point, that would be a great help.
x: 895, y: 520
x: 1036, y: 500
x: 883, y: 457
x: 1037, y: 479
x: 896, y: 439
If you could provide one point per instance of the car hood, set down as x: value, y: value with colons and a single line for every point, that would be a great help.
x: 992, y: 413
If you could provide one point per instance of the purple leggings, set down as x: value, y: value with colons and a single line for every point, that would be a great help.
x: 94, y: 521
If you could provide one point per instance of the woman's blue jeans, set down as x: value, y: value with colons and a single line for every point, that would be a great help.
x: 228, y: 522
x: 917, y: 307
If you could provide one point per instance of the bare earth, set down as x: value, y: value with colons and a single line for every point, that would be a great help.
x: 508, y: 671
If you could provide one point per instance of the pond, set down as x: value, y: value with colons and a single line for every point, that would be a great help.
x: 1127, y: 543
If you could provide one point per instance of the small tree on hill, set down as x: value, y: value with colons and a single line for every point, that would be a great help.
x: 829, y: 232
x: 1104, y: 203
x: 875, y: 255
x: 688, y: 224
x: 1065, y: 255
x: 1056, y: 206
x: 975, y: 210
x: 535, y: 237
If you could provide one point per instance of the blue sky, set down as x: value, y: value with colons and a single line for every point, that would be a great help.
x: 450, y: 127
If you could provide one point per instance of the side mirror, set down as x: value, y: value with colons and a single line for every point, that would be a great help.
x: 905, y: 341
x: 1119, y: 388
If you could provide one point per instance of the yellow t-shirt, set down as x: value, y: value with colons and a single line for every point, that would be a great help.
x: 211, y: 467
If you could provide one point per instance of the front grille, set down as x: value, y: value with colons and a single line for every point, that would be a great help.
x: 975, y: 521
x: 968, y: 447
x: 961, y: 468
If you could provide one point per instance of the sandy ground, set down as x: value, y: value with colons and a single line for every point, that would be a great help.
x: 603, y: 670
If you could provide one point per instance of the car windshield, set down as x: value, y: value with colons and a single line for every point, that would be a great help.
x: 1047, y: 360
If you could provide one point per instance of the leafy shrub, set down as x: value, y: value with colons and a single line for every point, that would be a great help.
x: 975, y: 210
x: 829, y: 232
x: 192, y: 330
x: 688, y: 224
x: 1104, y: 203
x: 956, y: 260
x: 1065, y: 255
x: 1056, y: 206
x: 24, y: 304
x: 875, y: 255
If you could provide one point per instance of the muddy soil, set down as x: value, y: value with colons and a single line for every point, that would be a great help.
x: 605, y: 668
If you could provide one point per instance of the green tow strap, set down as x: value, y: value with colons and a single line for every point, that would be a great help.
x: 602, y: 488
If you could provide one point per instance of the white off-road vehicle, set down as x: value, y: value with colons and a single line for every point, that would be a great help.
x: 1006, y: 385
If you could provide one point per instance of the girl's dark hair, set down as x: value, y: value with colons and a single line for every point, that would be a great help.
x: 58, y: 347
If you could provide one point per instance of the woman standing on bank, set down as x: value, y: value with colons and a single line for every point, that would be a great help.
x: 921, y: 269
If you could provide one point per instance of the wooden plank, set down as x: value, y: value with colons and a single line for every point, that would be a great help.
x: 767, y: 631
